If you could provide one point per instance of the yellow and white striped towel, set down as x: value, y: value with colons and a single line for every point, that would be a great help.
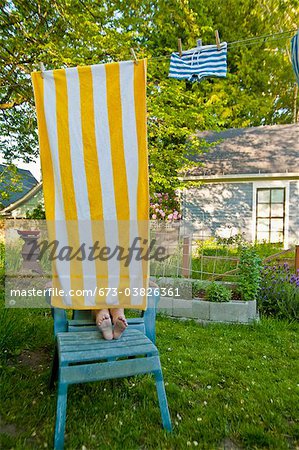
x: 93, y: 147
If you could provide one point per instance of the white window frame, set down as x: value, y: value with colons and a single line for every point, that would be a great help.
x: 268, y: 185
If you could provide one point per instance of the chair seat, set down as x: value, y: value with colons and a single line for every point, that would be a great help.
x: 88, y: 346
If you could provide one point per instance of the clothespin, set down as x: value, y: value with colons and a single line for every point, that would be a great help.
x: 134, y: 55
x: 217, y: 40
x: 42, y: 69
x: 180, y: 48
x: 199, y: 42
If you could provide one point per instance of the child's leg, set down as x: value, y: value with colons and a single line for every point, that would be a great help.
x: 103, y: 321
x: 119, y: 322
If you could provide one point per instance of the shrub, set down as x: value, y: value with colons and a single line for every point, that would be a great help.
x: 236, y: 240
x: 2, y: 264
x: 249, y: 274
x: 218, y: 293
x: 37, y: 213
x: 279, y: 292
x: 198, y: 288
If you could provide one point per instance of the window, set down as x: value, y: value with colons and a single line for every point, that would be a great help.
x: 270, y: 214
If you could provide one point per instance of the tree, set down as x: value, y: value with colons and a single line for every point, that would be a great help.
x: 259, y: 88
x: 10, y: 181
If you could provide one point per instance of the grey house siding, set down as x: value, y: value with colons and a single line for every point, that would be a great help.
x: 294, y: 213
x: 215, y: 206
x: 32, y: 203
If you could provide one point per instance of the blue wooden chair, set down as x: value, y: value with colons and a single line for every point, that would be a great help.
x: 82, y: 355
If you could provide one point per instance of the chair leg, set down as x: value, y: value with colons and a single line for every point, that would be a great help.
x: 54, y: 369
x: 166, y: 420
x: 60, y: 416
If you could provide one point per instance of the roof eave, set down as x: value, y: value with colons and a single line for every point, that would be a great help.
x: 22, y: 200
x: 243, y: 177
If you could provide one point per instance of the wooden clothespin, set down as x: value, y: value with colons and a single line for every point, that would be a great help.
x: 134, y: 55
x: 180, y: 48
x: 42, y: 69
x: 217, y: 40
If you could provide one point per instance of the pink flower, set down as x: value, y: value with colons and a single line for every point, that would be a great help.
x: 154, y: 216
x: 170, y: 216
x: 159, y: 195
x: 160, y: 200
x: 162, y: 213
x: 157, y: 210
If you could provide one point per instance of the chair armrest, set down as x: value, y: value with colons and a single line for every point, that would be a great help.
x: 149, y: 314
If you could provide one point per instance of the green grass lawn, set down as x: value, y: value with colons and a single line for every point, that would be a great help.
x: 228, y: 386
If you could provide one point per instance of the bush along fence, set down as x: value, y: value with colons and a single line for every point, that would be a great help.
x: 212, y: 258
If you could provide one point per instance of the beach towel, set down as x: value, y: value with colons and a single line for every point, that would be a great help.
x: 199, y: 63
x: 295, y: 55
x: 93, y: 148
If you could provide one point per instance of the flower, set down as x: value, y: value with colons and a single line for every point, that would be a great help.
x: 165, y: 206
x: 154, y: 216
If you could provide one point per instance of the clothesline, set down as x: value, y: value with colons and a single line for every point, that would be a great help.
x: 246, y: 42
x: 238, y: 43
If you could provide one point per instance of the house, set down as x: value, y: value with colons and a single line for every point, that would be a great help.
x: 25, y: 195
x: 249, y: 183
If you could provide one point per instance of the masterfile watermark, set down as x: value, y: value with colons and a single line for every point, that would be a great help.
x: 141, y: 249
x: 113, y: 257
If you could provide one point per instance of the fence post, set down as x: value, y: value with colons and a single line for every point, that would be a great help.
x: 186, y: 257
x: 296, y: 258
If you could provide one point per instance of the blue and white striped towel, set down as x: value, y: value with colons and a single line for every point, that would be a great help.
x: 200, y: 62
x: 295, y: 54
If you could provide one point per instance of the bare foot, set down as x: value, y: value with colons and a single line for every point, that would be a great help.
x: 104, y: 324
x: 120, y: 324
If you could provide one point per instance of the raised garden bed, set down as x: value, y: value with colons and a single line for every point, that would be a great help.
x: 214, y: 300
x: 234, y: 311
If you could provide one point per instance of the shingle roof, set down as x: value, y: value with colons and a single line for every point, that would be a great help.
x: 26, y: 183
x: 264, y: 149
